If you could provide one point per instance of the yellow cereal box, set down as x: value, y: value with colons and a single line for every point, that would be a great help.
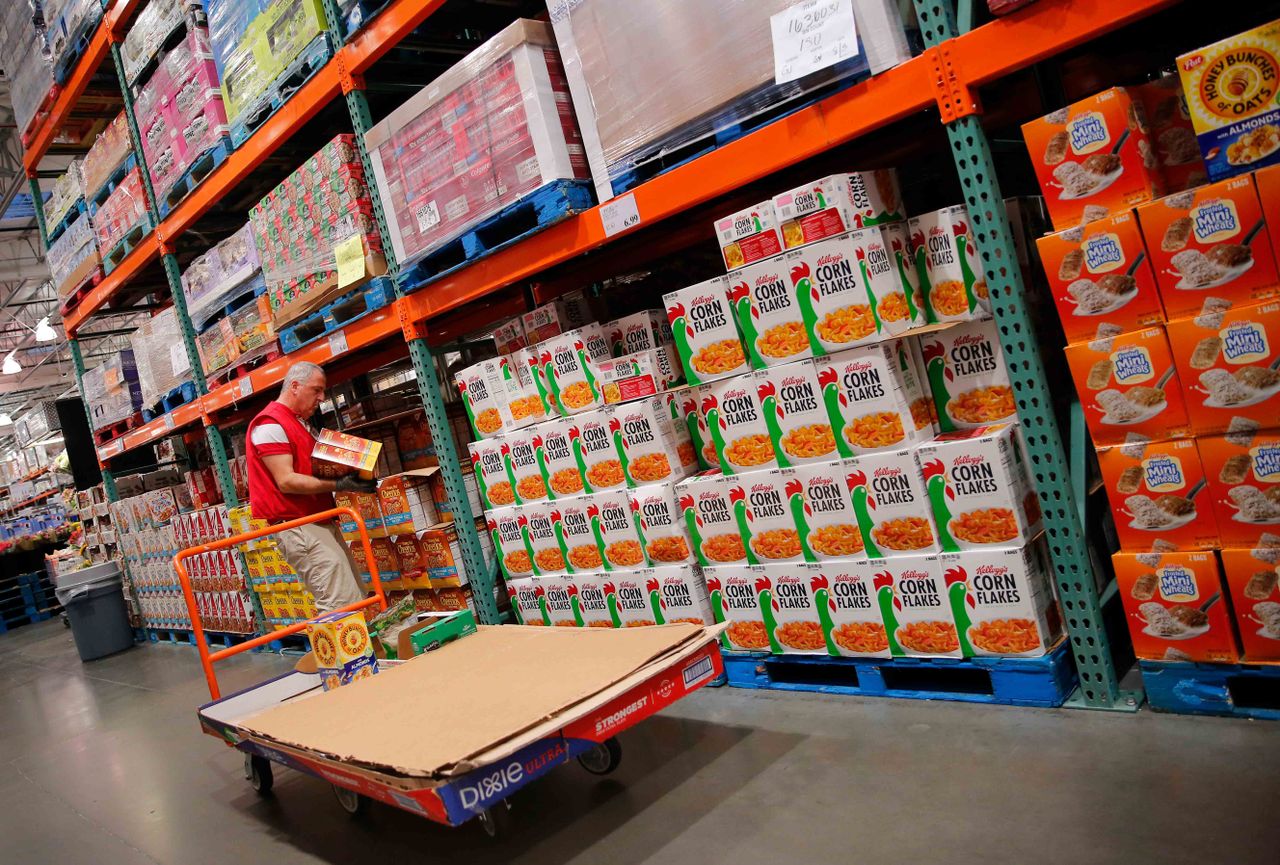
x: 342, y: 649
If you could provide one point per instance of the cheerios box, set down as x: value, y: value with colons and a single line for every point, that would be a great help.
x: 794, y: 412
x: 1227, y: 362
x: 617, y: 531
x: 662, y: 524
x: 828, y: 522
x: 492, y: 396
x: 1093, y: 157
x: 838, y: 203
x: 873, y: 398
x: 1007, y: 607
x: 528, y: 601
x: 1101, y: 278
x: 1176, y: 607
x: 918, y: 613
x: 1231, y: 97
x: 557, y: 463
x: 771, y: 313
x: 714, y: 509
x: 1158, y: 495
x: 1243, y: 473
x: 369, y: 509
x: 1254, y: 585
x: 681, y: 594
x: 571, y: 520
x: 1210, y: 248
x: 948, y: 267
x: 967, y: 375
x: 342, y: 649
x: 704, y: 329
x: 520, y: 457
x: 748, y: 235
x: 1128, y: 387
x: 507, y: 528
x: 888, y: 496
x: 496, y: 489
x: 735, y: 418
x: 568, y: 366
x: 979, y: 490
x: 596, y: 448
x: 654, y: 447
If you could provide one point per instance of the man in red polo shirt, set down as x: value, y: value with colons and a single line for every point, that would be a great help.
x: 281, y: 488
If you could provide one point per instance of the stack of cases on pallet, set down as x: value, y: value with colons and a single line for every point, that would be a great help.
x: 73, y: 258
x: 28, y: 70
x: 66, y: 197
x: 68, y: 26
x: 153, y: 527
x: 255, y: 43
x: 490, y: 131
x: 112, y: 390
x: 833, y: 519
x: 110, y: 150
x: 281, y: 595
x: 160, y: 354
x: 150, y: 33
x: 121, y: 219
x: 228, y: 275
x: 297, y: 226
x: 1171, y: 308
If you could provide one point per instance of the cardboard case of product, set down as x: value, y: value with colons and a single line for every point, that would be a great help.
x: 1175, y: 606
x: 337, y: 454
x: 1158, y: 496
x: 1255, y: 599
x: 1243, y: 474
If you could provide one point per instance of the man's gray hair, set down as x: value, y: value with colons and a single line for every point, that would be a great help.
x: 301, y: 372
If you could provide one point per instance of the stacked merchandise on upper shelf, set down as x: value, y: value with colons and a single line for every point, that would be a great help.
x: 113, y: 394
x: 74, y: 260
x: 151, y: 32
x: 121, y: 219
x: 27, y: 66
x: 497, y: 128
x: 69, y: 24
x: 835, y: 519
x: 1170, y: 306
x: 109, y: 157
x: 161, y: 357
x: 227, y: 303
x: 650, y: 89
x: 65, y: 202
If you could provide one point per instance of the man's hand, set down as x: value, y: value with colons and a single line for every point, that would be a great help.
x: 355, y: 484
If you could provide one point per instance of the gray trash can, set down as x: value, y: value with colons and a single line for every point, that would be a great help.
x: 94, y: 601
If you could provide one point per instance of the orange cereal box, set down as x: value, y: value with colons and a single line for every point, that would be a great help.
x: 1171, y: 132
x: 1209, y: 247
x: 1175, y: 606
x: 1254, y: 585
x: 1128, y: 387
x: 1227, y: 363
x: 1158, y: 496
x: 1243, y: 473
x: 1267, y: 182
x: 1093, y: 157
x: 1101, y: 278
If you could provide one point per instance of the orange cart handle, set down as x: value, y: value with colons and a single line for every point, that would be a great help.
x: 208, y: 659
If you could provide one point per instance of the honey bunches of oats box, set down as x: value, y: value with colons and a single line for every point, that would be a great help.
x: 618, y: 533
x: 571, y: 520
x: 505, y: 526
x: 850, y: 608
x: 735, y: 418
x: 978, y: 488
x: 828, y: 523
x: 553, y: 449
x: 947, y: 265
x: 653, y: 446
x: 528, y: 600
x: 919, y: 620
x: 888, y: 494
x: 705, y: 331
x: 795, y: 414
x: 662, y: 526
x: 873, y: 399
x: 568, y: 365
x: 1008, y: 609
x: 717, y: 525
x: 496, y: 489
x: 596, y: 450
x: 771, y: 314
x: 681, y: 595
x: 967, y: 376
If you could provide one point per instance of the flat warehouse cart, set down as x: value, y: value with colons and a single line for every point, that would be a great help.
x: 612, y: 680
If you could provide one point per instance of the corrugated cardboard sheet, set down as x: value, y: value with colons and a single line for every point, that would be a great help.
x: 428, y: 715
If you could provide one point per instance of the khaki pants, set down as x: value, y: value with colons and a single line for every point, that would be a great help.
x: 323, y: 563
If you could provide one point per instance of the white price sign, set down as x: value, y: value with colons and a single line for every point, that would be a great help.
x: 812, y: 35
x: 246, y: 386
x: 338, y: 343
x: 619, y: 215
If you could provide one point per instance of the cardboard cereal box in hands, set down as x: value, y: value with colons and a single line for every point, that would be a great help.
x: 337, y: 454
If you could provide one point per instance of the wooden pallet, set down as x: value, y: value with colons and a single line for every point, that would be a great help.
x: 1233, y: 690
x: 336, y: 314
x: 308, y: 62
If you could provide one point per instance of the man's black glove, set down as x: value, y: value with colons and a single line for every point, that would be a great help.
x: 355, y: 484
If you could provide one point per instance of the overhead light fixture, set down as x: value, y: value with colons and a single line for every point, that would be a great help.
x: 45, y: 331
x: 11, y: 365
x: 5, y: 420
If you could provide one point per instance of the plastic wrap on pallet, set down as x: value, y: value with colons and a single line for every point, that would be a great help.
x: 122, y: 210
x: 108, y: 151
x: 68, y: 25
x: 492, y: 129
x: 73, y: 256
x: 150, y: 30
x: 649, y: 78
x: 27, y: 64
x: 67, y: 190
x: 217, y: 276
x: 180, y: 111
x: 161, y: 356
x: 299, y: 224
x: 252, y: 326
x: 254, y: 41
x: 217, y: 346
x: 112, y: 390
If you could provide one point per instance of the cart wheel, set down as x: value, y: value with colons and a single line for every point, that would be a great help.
x: 258, y: 772
x: 496, y: 819
x: 602, y: 758
x: 351, y: 801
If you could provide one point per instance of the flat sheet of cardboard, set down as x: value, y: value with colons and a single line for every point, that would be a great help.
x: 423, y: 717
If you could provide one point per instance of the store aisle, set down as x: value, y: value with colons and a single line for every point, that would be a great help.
x: 105, y: 763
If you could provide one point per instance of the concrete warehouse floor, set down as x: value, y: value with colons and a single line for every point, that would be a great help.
x: 104, y: 763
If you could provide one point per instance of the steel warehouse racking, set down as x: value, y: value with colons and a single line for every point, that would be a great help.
x: 945, y: 76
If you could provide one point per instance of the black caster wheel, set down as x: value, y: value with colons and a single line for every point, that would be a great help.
x: 257, y: 770
x: 351, y: 801
x: 496, y: 820
x: 602, y: 758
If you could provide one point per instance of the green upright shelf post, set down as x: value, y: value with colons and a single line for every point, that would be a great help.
x: 135, y: 135
x: 1068, y: 545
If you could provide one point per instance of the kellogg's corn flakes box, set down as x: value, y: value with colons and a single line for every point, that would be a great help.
x: 490, y: 470
x: 713, y: 507
x: 540, y: 539
x: 630, y: 599
x: 642, y: 331
x: 888, y: 496
x: 838, y: 203
x: 520, y: 457
x: 662, y: 524
x: 919, y: 618
x: 617, y: 531
x: 948, y: 268
x: 1007, y: 608
x: 873, y: 398
x: 1251, y: 578
x: 528, y: 601
x: 681, y: 595
x: 827, y: 523
x: 1175, y: 606
x: 735, y: 417
x: 654, y: 447
x: 596, y: 449
x: 849, y: 604
x: 558, y: 599
x: 557, y: 463
x: 1231, y: 89
x: 772, y: 308
x: 589, y: 601
x: 748, y: 235
x: 795, y: 414
x: 568, y: 366
x: 1243, y: 476
x: 1158, y: 496
x: 495, y: 398
x: 571, y: 521
x: 506, y: 527
x: 775, y: 511
x: 734, y: 599
x: 705, y: 331
x: 967, y: 376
